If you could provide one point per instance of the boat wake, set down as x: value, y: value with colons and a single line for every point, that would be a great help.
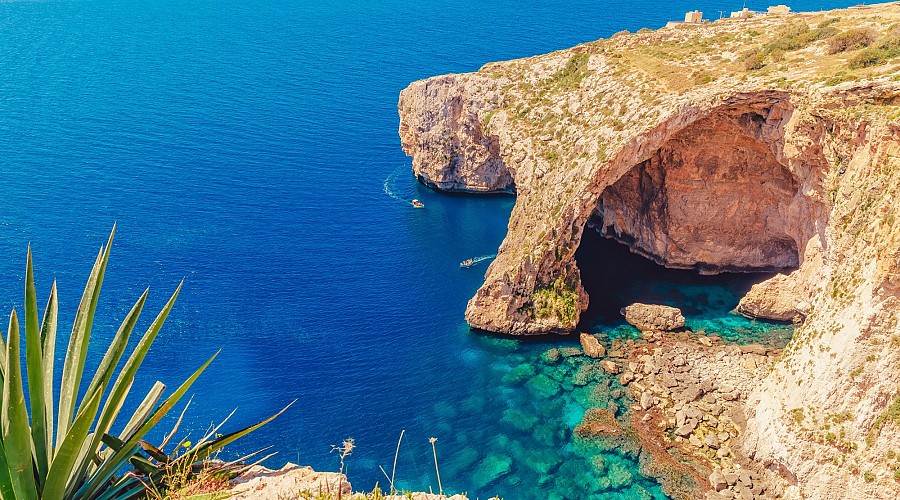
x: 389, y: 184
x: 475, y: 260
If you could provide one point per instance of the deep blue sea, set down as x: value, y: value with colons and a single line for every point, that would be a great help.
x: 251, y: 149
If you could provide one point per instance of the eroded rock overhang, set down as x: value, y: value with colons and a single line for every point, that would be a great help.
x: 716, y: 196
x: 706, y: 188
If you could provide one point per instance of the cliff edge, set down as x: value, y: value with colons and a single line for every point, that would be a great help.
x: 771, y: 143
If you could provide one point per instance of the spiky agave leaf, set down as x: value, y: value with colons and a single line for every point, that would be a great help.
x: 82, y: 459
x: 34, y: 359
x: 76, y: 353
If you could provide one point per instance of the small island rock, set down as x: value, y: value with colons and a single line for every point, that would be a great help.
x: 650, y: 317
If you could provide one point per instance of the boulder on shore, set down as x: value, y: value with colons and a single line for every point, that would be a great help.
x: 651, y: 317
x: 591, y: 346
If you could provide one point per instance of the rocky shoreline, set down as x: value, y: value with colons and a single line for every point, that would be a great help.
x: 689, y: 392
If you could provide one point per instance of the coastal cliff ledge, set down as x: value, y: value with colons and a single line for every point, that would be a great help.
x: 765, y: 144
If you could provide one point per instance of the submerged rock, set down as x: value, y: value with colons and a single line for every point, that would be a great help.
x: 588, y: 373
x: 519, y: 419
x: 543, y: 386
x: 519, y: 374
x: 568, y: 352
x: 653, y: 317
x: 619, y: 475
x: 552, y: 356
x: 543, y: 461
x: 548, y: 435
x: 488, y: 471
x: 598, y: 422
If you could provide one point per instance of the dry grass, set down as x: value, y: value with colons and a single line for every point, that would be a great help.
x: 184, y: 482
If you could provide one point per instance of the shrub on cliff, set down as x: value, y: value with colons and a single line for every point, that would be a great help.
x: 853, y: 39
x: 753, y: 61
x: 64, y: 449
x: 797, y: 36
x: 882, y: 52
x: 558, y: 299
x: 789, y: 38
x: 570, y: 76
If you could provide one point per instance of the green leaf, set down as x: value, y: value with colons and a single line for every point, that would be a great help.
x: 2, y: 358
x: 101, y: 379
x: 116, y: 348
x: 122, y: 385
x: 205, y: 450
x: 34, y: 359
x: 111, y: 464
x: 143, y: 411
x: 143, y: 465
x: 16, y: 433
x: 6, y: 487
x: 114, y: 443
x: 70, y: 448
x: 76, y: 353
x: 127, y: 487
x: 48, y: 341
x: 153, y: 451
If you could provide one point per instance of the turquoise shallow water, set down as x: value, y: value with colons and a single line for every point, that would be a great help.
x: 251, y: 149
x: 614, y: 277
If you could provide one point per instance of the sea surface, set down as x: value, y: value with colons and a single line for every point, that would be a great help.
x: 250, y: 148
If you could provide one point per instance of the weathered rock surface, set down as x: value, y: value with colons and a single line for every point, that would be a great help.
x: 449, y: 148
x: 260, y: 483
x: 598, y: 422
x: 591, y: 346
x: 692, y: 403
x: 652, y: 317
x: 671, y: 142
x: 777, y: 298
x: 293, y: 481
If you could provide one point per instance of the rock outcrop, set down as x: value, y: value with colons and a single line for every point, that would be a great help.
x: 294, y: 482
x: 777, y: 299
x: 653, y: 317
x: 591, y: 346
x: 727, y: 146
x: 450, y: 150
x: 260, y: 483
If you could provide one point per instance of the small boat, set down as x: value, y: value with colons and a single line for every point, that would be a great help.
x: 417, y: 204
x: 467, y: 263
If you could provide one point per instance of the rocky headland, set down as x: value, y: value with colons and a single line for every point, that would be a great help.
x: 765, y: 144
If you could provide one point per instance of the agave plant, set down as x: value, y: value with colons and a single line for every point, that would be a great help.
x: 65, y: 449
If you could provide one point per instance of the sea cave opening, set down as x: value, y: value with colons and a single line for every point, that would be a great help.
x: 695, y: 225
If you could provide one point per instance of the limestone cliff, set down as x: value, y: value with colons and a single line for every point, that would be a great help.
x: 763, y: 144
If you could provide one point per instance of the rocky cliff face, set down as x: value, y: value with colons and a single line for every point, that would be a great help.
x: 734, y: 145
x: 450, y: 150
